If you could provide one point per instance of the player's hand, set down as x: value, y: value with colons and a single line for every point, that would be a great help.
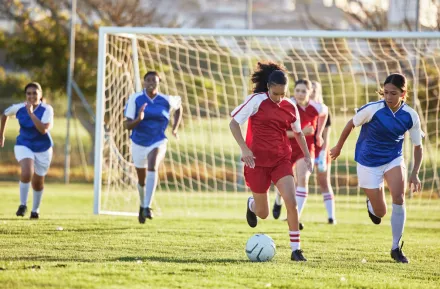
x: 141, y: 112
x: 29, y: 108
x: 309, y: 164
x: 2, y: 141
x: 247, y: 156
x: 175, y: 134
x: 308, y: 130
x: 335, y: 152
x: 319, y: 141
x: 414, y: 183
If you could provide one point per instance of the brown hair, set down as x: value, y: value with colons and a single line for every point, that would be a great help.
x: 399, y: 81
x: 268, y: 73
x: 35, y: 85
x: 304, y: 81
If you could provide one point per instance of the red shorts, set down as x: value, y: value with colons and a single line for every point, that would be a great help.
x: 259, y: 179
x: 298, y: 154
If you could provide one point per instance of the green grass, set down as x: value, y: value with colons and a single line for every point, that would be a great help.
x: 183, y: 250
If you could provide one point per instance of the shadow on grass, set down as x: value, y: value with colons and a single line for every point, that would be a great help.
x: 180, y: 260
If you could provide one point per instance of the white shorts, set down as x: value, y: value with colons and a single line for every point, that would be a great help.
x: 140, y: 153
x: 372, y: 177
x: 41, y: 160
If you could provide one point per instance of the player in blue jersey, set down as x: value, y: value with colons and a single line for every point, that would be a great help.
x: 379, y: 154
x: 33, y: 149
x: 148, y: 115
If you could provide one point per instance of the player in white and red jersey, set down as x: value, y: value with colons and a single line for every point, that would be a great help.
x: 313, y: 116
x: 323, y: 160
x: 267, y: 151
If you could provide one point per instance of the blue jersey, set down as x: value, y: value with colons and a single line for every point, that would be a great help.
x: 382, y: 132
x: 156, y: 116
x: 29, y: 136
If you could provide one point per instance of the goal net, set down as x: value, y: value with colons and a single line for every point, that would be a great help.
x: 210, y: 70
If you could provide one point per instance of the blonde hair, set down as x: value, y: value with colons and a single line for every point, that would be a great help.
x: 318, y: 92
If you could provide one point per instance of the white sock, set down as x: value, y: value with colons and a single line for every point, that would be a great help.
x: 251, y: 203
x: 141, y: 191
x: 294, y: 240
x: 398, y: 217
x: 24, y: 192
x: 151, y: 185
x: 370, y: 208
x: 329, y: 202
x: 278, y: 198
x: 37, y: 201
x: 301, y: 197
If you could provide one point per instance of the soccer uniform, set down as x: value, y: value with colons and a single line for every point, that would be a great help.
x: 379, y: 146
x: 309, y: 116
x: 318, y: 149
x: 266, y: 137
x: 30, y: 142
x: 150, y: 132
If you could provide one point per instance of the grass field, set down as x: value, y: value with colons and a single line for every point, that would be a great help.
x: 179, y: 250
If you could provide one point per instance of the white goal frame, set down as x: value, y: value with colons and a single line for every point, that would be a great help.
x: 131, y: 32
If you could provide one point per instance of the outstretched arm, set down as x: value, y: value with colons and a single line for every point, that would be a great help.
x: 336, y: 151
x: 322, y: 119
x: 3, y: 122
x: 177, y: 120
x: 246, y: 154
x: 414, y: 180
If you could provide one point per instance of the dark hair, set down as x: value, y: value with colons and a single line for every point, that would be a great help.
x: 398, y: 80
x: 152, y: 73
x: 35, y: 85
x: 304, y: 81
x: 267, y: 74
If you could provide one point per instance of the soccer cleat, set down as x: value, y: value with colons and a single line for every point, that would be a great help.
x: 22, y: 209
x: 148, y: 213
x: 276, y: 211
x: 376, y: 220
x: 34, y: 215
x: 298, y: 256
x: 250, y: 216
x: 398, y: 255
x: 301, y: 226
x: 331, y: 221
x: 141, y: 216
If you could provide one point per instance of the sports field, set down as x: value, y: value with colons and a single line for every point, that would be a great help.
x: 69, y: 247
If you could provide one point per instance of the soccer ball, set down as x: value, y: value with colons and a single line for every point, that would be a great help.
x: 260, y: 248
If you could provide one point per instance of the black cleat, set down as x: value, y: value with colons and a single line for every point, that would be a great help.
x: 331, y: 221
x: 250, y: 216
x: 276, y: 211
x: 298, y: 256
x: 301, y: 226
x: 34, y: 215
x: 148, y: 213
x: 398, y: 255
x: 22, y: 209
x: 141, y: 216
x: 376, y: 220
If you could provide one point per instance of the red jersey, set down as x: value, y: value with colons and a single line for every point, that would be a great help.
x: 309, y: 116
x: 266, y: 135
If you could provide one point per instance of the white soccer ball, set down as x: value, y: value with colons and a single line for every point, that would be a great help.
x: 260, y: 248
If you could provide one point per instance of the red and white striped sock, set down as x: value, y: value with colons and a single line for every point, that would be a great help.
x: 329, y: 202
x: 294, y: 240
x: 301, y: 197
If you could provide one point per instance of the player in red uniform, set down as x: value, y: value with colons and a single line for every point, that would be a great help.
x: 313, y: 116
x: 323, y: 160
x: 267, y: 151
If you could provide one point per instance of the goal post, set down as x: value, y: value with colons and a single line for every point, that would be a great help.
x: 210, y: 70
